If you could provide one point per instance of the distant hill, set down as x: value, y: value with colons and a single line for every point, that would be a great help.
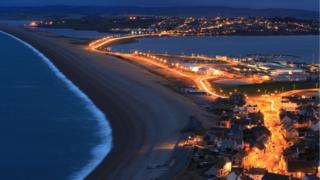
x: 50, y: 11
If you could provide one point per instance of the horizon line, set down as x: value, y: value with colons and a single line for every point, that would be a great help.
x: 173, y: 6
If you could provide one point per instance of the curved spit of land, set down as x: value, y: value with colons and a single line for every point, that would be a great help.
x: 271, y: 158
x: 200, y: 80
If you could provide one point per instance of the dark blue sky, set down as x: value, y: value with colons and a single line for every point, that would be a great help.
x: 291, y: 4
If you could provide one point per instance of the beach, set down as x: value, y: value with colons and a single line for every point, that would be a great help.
x: 146, y: 117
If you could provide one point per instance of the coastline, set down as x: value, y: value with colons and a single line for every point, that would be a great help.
x: 100, y: 150
x: 144, y: 116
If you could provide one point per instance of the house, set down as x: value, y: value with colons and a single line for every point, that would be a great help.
x: 235, y: 132
x: 224, y: 122
x: 253, y: 119
x: 222, y: 105
x: 289, y: 106
x: 256, y: 136
x: 238, y: 99
x: 221, y: 169
x: 287, y: 124
x: 310, y: 177
x: 302, y: 123
x: 315, y: 126
x: 225, y: 144
x: 271, y: 176
x: 256, y: 173
x: 301, y: 167
x: 308, y: 111
x: 237, y: 160
x: 233, y: 176
x: 252, y: 108
x: 240, y: 110
x: 301, y: 158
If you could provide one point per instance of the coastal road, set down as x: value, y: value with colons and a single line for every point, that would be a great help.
x: 200, y: 80
x: 146, y: 117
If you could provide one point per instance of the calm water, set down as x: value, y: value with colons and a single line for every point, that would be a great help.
x: 49, y: 128
x: 304, y: 47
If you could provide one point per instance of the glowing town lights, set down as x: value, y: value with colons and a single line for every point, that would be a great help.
x: 299, y: 175
x: 266, y: 78
x: 216, y: 72
x: 228, y: 166
x: 271, y: 157
x: 33, y: 24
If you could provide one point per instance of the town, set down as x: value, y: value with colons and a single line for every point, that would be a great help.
x: 200, y: 26
x: 264, y: 108
x: 257, y: 138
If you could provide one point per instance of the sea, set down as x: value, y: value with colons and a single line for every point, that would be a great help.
x: 304, y: 48
x: 49, y: 128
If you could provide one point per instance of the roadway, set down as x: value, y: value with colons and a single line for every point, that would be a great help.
x: 271, y: 158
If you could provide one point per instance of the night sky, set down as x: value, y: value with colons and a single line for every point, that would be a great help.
x: 290, y: 4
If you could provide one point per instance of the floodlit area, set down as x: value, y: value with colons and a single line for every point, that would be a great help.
x: 270, y: 158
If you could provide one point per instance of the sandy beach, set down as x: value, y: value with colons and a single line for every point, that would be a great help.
x: 146, y: 117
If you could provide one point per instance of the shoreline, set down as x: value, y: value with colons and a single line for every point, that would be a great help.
x: 144, y: 116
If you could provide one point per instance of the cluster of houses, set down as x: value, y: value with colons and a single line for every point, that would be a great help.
x: 300, y: 119
x: 240, y: 128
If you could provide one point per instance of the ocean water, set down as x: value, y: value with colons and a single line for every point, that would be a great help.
x: 305, y: 48
x: 49, y: 129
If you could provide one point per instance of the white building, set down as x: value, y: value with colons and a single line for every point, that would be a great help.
x: 289, y: 106
x: 289, y: 77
